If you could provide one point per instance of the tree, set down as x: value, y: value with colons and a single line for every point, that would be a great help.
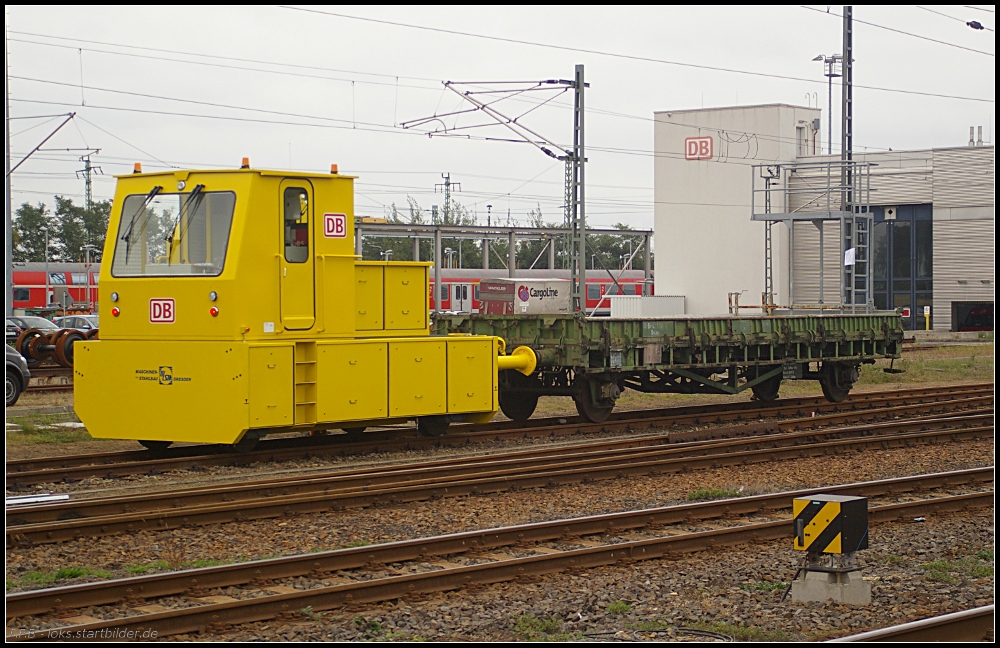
x: 30, y: 223
x: 77, y: 226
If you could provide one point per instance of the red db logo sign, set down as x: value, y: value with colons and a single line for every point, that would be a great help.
x: 335, y: 225
x: 698, y: 148
x: 161, y: 311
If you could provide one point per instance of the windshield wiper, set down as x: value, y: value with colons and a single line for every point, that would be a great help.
x: 127, y: 236
x: 195, y: 193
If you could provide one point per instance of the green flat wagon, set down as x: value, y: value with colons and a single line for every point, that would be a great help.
x: 594, y: 359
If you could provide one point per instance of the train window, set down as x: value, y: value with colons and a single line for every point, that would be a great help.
x: 475, y: 292
x: 22, y: 294
x: 444, y: 292
x: 173, y: 234
x: 613, y: 290
x: 593, y: 291
x: 296, y: 220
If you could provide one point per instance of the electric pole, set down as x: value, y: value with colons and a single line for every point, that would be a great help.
x: 87, y: 172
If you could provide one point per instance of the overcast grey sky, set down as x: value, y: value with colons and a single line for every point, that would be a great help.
x: 201, y: 87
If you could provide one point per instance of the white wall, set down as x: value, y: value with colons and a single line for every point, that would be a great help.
x: 706, y: 244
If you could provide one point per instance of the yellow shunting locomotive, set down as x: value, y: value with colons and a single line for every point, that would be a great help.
x: 232, y: 305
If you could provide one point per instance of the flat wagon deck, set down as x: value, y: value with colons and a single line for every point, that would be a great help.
x: 594, y: 359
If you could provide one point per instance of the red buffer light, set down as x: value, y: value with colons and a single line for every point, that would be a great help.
x: 115, y: 311
x: 213, y: 311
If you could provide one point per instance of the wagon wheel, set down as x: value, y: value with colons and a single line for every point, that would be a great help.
x: 767, y: 390
x: 586, y: 405
x: 432, y: 426
x: 834, y: 387
x: 517, y: 405
x: 23, y: 344
x: 155, y: 446
x: 64, y: 347
x: 47, y: 340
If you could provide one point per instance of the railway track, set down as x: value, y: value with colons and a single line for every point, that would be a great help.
x: 533, y: 468
x: 29, y: 472
x: 968, y: 625
x: 347, y: 578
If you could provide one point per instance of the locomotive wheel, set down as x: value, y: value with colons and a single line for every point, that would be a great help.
x: 155, y: 446
x: 432, y: 426
x: 23, y: 344
x: 64, y: 347
x: 768, y: 390
x: 91, y: 334
x: 587, y: 406
x: 834, y: 389
x: 518, y: 406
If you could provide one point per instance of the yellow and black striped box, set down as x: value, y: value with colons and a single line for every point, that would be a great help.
x: 832, y: 524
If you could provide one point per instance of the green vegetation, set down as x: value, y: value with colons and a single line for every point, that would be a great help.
x: 356, y: 543
x: 942, y: 571
x: 714, y: 494
x: 738, y: 632
x: 36, y: 429
x: 763, y: 586
x: 369, y: 628
x: 619, y: 607
x: 147, y: 567
x: 45, y: 578
x: 534, y: 629
x: 895, y: 560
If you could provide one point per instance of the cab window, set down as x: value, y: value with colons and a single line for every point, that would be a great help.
x: 296, y: 221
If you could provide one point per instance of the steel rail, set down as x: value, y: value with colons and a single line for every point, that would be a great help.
x: 976, y: 624
x: 552, y: 458
x: 56, y: 469
x: 369, y: 591
x: 108, y: 518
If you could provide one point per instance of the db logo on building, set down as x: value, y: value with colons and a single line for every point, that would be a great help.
x: 161, y: 311
x: 698, y: 148
x: 335, y: 225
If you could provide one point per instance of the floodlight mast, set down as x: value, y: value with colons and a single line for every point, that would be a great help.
x: 575, y: 212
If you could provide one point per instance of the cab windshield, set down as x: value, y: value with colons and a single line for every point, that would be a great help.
x: 173, y: 233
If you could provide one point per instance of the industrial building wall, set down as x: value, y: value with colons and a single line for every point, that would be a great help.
x: 964, y: 226
x: 805, y: 253
x: 959, y: 182
x: 706, y: 244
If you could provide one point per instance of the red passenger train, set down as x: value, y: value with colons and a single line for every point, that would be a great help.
x: 76, y: 284
x: 69, y: 284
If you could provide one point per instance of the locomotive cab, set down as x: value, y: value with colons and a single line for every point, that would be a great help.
x: 233, y: 305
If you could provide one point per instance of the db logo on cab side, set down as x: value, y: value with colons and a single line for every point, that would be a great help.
x: 335, y: 225
x: 161, y: 311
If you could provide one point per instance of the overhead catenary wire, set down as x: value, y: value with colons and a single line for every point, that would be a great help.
x: 898, y: 31
x: 965, y: 22
x: 622, y: 56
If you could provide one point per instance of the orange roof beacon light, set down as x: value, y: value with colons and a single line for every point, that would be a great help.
x: 333, y: 169
x: 246, y: 163
x: 137, y: 167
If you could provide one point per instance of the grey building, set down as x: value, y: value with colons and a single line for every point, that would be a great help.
x: 932, y: 244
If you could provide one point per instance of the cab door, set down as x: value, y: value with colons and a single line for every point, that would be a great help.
x: 298, y: 299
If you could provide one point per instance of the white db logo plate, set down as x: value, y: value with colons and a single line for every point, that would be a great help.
x: 335, y: 225
x: 161, y: 311
x: 698, y: 148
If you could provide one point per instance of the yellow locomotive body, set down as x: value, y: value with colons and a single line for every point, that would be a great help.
x: 233, y: 305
